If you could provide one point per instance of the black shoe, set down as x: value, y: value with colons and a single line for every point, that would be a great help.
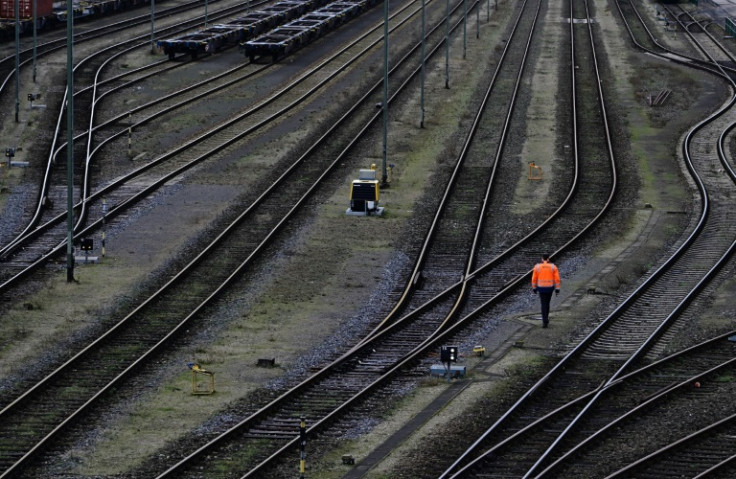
x: 544, y: 325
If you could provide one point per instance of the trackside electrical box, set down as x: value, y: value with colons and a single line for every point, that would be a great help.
x: 440, y: 371
x: 365, y: 193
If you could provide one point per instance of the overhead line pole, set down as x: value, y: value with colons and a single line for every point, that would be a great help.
x: 384, y: 171
x: 35, y: 39
x: 447, y: 44
x: 424, y: 28
x: 70, y: 141
x: 17, y: 60
x: 153, y: 20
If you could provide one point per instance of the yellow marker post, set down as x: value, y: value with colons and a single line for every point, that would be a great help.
x: 535, y: 172
x: 203, y: 381
x: 302, y: 446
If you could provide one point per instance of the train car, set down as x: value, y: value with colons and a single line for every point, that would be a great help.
x: 252, y: 24
x: 50, y: 14
x: 238, y: 30
x: 319, y: 22
x: 279, y: 42
x: 274, y: 31
x: 93, y: 8
x: 222, y: 35
x: 287, y: 9
x: 44, y: 16
x: 44, y: 8
x: 282, y: 41
x: 208, y: 40
x: 345, y: 11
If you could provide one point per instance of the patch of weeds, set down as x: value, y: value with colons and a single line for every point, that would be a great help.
x: 18, y: 333
x: 429, y: 382
x: 640, y: 269
x: 202, y: 357
x: 29, y: 306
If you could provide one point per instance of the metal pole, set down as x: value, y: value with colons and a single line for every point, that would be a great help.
x: 477, y: 21
x: 205, y: 13
x: 35, y: 42
x: 465, y: 28
x: 384, y: 172
x: 421, y: 121
x: 70, y: 142
x: 17, y: 60
x: 130, y: 137
x: 153, y: 20
x: 447, y: 44
x: 104, y: 227
x: 302, y: 446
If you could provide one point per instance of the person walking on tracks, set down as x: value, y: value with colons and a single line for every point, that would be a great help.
x: 545, y: 281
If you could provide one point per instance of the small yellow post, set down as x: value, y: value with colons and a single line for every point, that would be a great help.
x: 199, y: 385
x: 535, y: 172
x: 302, y: 446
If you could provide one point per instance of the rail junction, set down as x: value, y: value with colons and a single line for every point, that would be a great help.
x: 465, y: 276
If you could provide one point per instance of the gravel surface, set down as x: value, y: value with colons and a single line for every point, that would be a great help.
x: 331, y: 276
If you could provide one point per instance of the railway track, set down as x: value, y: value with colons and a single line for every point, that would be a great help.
x: 437, y: 280
x: 45, y: 47
x: 618, y: 349
x: 166, y: 322
x: 499, y: 149
x: 35, y: 247
x: 427, y: 317
x: 51, y: 196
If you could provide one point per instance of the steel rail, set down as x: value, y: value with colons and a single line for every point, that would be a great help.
x: 46, y: 180
x: 705, y: 280
x: 160, y: 344
x: 99, y: 32
x: 419, y: 350
x: 631, y: 413
x: 562, y: 364
x: 709, y: 53
x: 99, y: 194
x: 718, y: 468
x: 429, y: 236
x: 685, y: 301
x: 647, y: 370
x: 452, y: 470
x: 721, y: 147
x: 376, y: 336
x: 665, y: 52
x: 710, y: 430
x: 44, y: 186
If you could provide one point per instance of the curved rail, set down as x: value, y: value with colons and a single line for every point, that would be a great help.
x: 60, y: 44
x: 178, y: 154
x: 655, y: 334
x: 173, y: 330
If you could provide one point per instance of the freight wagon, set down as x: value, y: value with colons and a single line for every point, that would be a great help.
x: 234, y: 32
x: 217, y: 37
x: 50, y: 14
x: 44, y: 15
x: 284, y: 40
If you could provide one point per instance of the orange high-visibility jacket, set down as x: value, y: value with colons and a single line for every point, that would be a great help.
x: 546, y: 275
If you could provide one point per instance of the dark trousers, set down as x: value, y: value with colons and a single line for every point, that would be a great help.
x: 545, y: 297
